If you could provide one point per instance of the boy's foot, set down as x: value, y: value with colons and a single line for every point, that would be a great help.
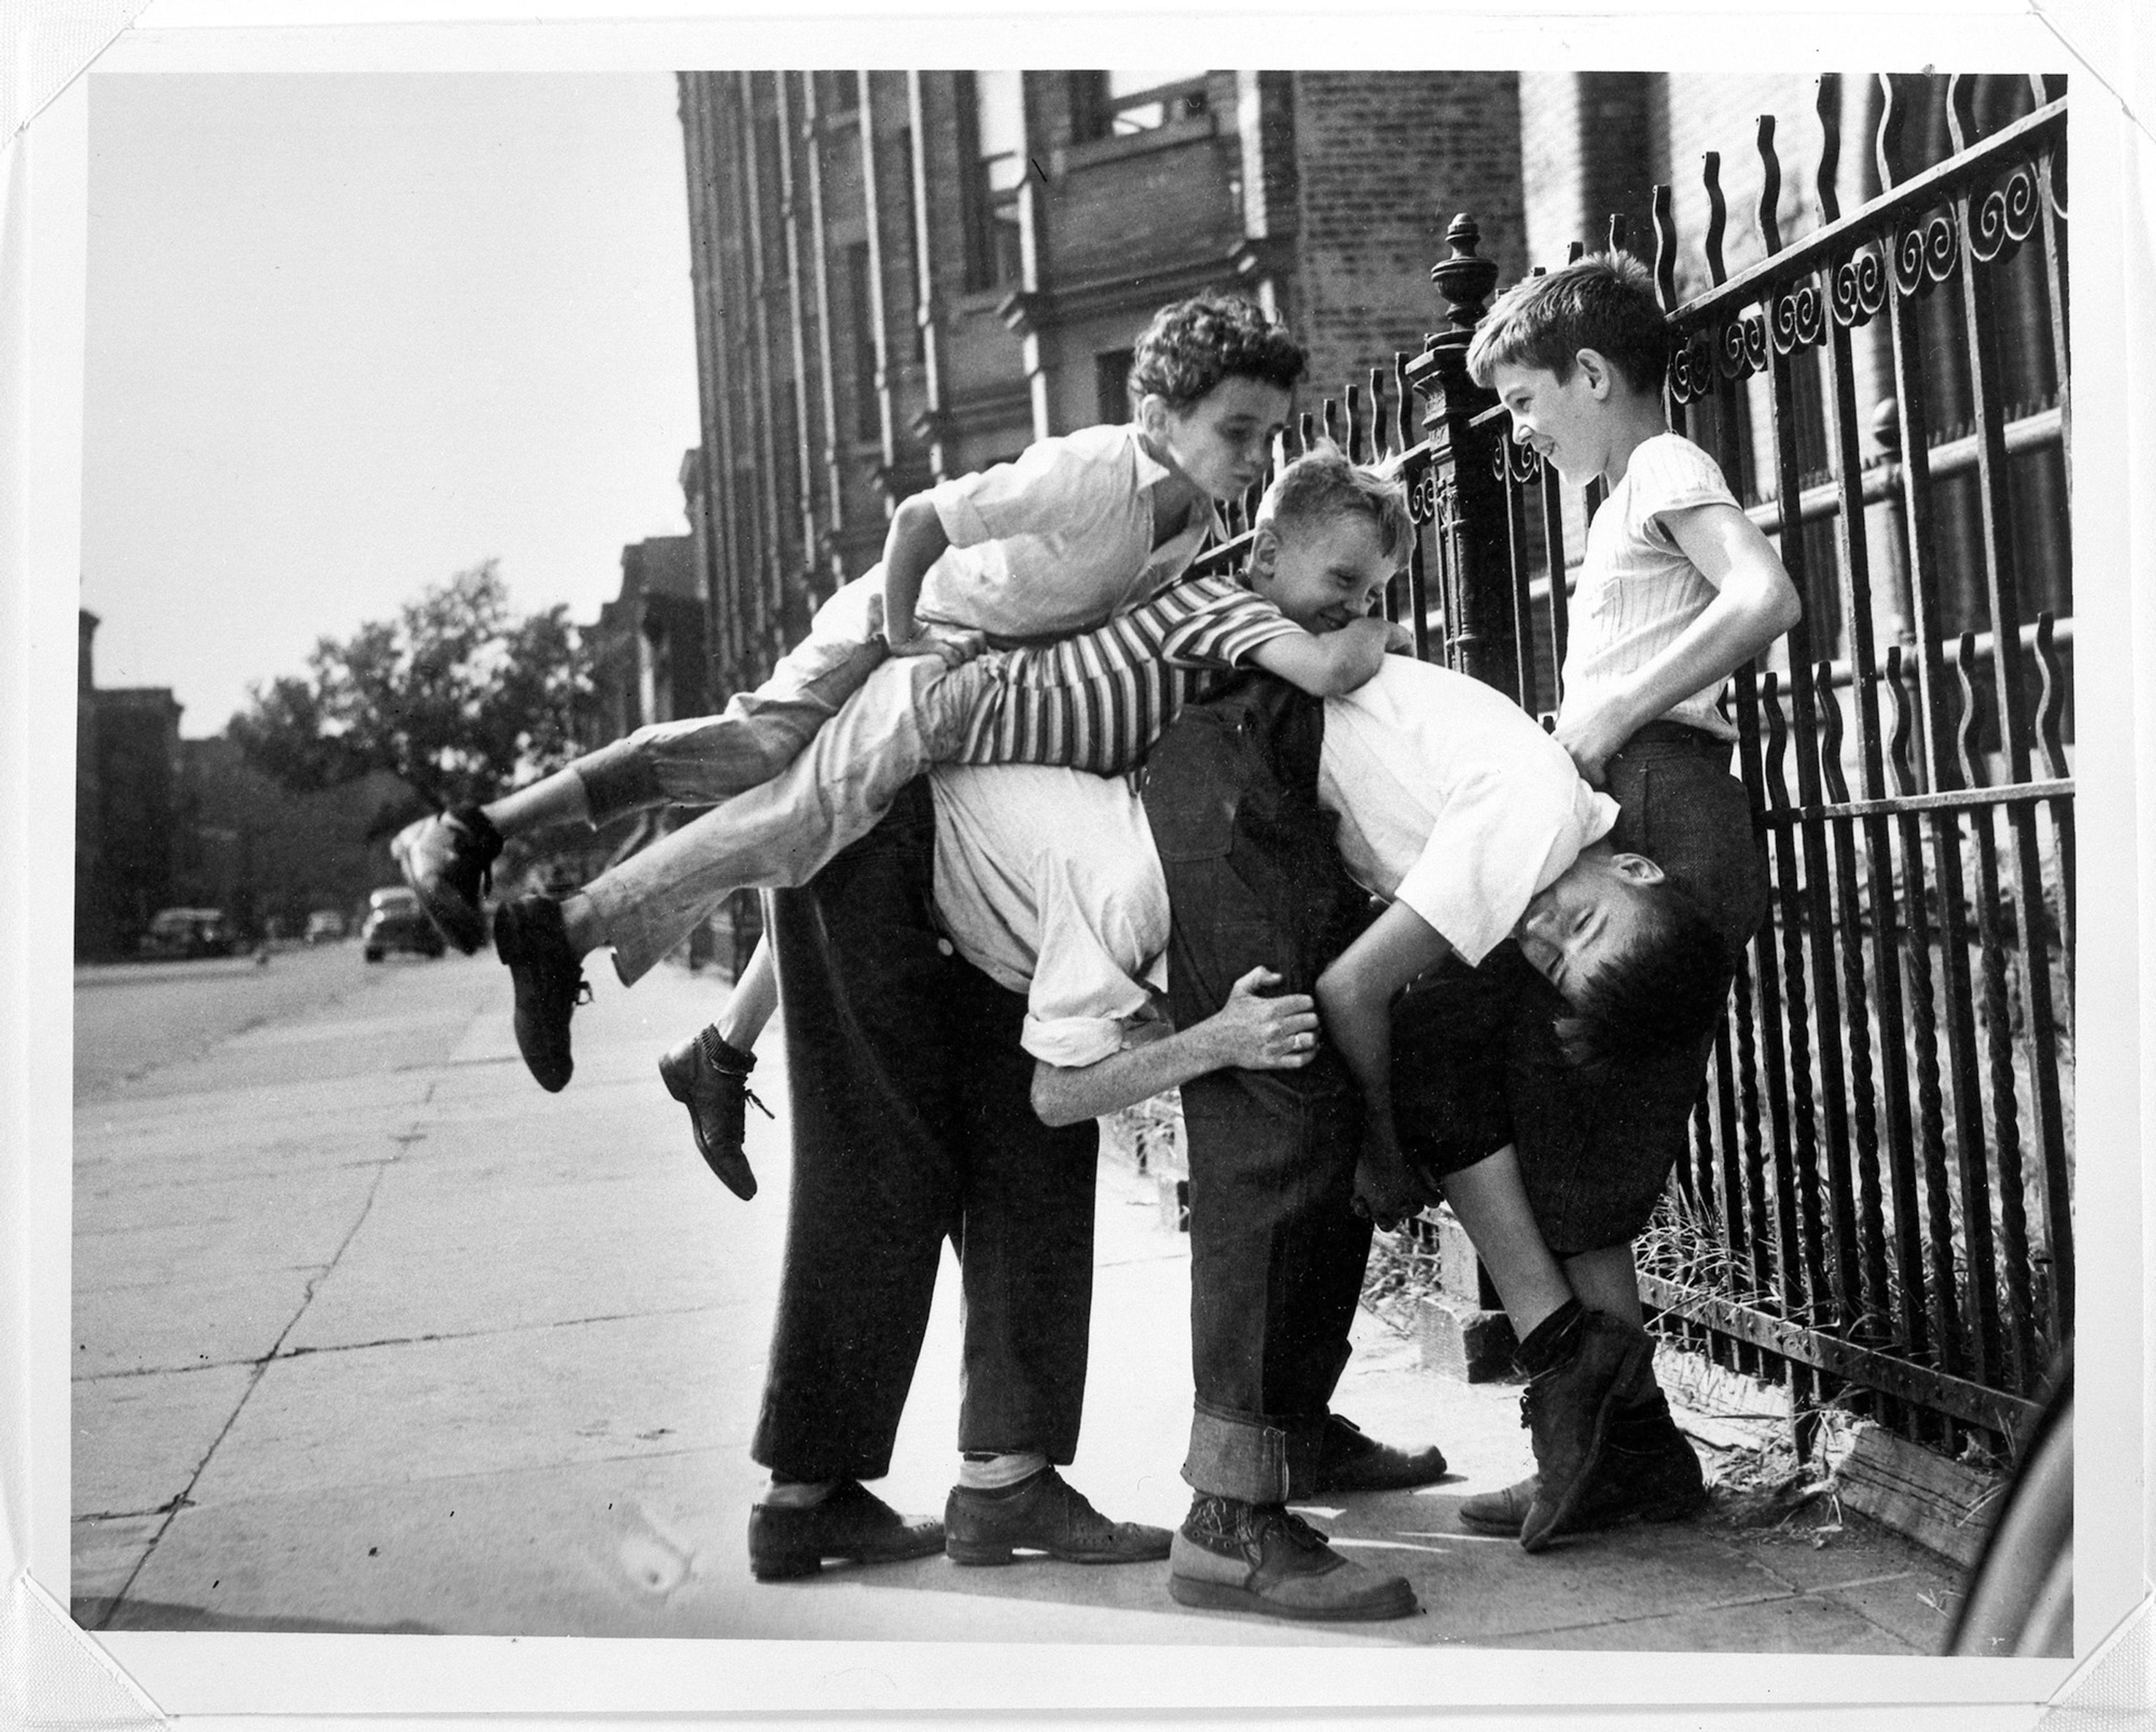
x: 1233, y: 1557
x: 449, y: 862
x: 549, y: 981
x: 1044, y: 1513
x: 852, y: 1525
x: 709, y: 1075
x: 1566, y: 1408
x: 1647, y: 1473
x: 1349, y: 1461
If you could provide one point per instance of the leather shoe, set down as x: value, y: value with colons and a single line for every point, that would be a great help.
x: 1647, y: 1473
x: 709, y: 1075
x: 1349, y: 1461
x: 1234, y: 1556
x: 550, y: 985
x: 1566, y: 1408
x: 449, y: 862
x: 850, y: 1525
x: 1047, y: 1514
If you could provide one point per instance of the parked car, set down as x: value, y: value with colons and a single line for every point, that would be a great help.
x: 175, y: 932
x: 395, y: 921
x: 325, y: 925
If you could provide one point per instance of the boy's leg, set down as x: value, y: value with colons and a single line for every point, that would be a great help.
x: 876, y: 1190
x: 1025, y: 1256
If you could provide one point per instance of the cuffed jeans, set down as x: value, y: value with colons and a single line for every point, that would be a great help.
x: 913, y: 1122
x: 1276, y: 1251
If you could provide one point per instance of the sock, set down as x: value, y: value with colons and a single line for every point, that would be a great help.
x: 723, y: 1054
x: 1547, y: 1341
x: 787, y: 1494
x: 981, y: 1470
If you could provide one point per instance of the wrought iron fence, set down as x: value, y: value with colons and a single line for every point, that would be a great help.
x: 1879, y: 1187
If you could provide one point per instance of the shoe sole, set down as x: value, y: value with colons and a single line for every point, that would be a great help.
x: 794, y: 1569
x: 977, y: 1554
x: 456, y: 918
x: 1592, y: 1524
x: 1221, y: 1596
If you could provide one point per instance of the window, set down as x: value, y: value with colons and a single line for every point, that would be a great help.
x: 1116, y: 105
x: 993, y: 136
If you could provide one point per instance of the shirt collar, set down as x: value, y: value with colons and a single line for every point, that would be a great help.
x: 1151, y: 471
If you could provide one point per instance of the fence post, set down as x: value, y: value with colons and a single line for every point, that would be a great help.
x: 1463, y: 1329
x: 1481, y: 636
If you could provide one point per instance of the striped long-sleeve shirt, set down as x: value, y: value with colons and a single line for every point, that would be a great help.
x: 1098, y: 700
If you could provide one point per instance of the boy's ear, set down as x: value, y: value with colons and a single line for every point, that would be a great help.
x: 1151, y: 414
x: 1595, y: 366
x: 1265, y: 550
x: 1638, y: 868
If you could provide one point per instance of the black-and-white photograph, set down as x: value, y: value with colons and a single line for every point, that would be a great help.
x: 715, y: 998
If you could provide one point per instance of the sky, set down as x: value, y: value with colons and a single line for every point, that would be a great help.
x: 348, y: 336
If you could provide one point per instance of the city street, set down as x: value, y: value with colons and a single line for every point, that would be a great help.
x: 371, y: 1334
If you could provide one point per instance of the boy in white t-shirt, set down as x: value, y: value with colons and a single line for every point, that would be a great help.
x: 1676, y: 590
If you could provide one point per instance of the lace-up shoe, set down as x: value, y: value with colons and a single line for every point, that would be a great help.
x: 1046, y: 1513
x: 550, y: 985
x: 449, y: 862
x: 709, y: 1075
x: 851, y: 1525
x: 1647, y: 1472
x: 1349, y: 1461
x: 1232, y: 1556
x: 1567, y: 1409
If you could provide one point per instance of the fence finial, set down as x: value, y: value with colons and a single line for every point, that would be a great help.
x: 1665, y: 251
x: 1826, y: 103
x: 1465, y: 280
x: 1717, y: 215
x: 1770, y: 189
x: 1890, y: 131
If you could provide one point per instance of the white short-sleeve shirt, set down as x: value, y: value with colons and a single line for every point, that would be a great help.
x: 1637, y: 590
x: 1452, y: 800
x: 1058, y: 540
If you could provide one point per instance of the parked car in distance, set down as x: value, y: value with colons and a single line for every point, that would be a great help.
x: 395, y: 921
x: 175, y: 932
x: 325, y: 925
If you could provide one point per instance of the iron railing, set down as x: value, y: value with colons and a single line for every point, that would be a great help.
x: 1876, y: 1207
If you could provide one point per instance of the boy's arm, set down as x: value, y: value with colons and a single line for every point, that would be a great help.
x: 1329, y: 664
x: 915, y: 542
x: 1250, y: 1032
x: 1355, y: 995
x: 1755, y: 603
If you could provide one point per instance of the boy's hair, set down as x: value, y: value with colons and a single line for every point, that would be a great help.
x: 1193, y: 345
x: 1666, y: 993
x: 1323, y: 484
x: 1604, y: 301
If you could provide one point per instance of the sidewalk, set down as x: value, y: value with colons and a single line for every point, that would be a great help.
x: 373, y: 1334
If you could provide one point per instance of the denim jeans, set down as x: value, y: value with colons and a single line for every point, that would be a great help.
x: 913, y: 1123
x: 1276, y: 1251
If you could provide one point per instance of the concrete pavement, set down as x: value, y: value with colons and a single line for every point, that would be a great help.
x: 373, y: 1334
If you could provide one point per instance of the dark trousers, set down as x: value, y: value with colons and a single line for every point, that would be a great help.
x: 912, y: 1122
x: 1276, y: 1252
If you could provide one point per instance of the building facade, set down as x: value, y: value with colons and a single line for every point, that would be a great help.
x: 904, y: 275
x: 127, y: 800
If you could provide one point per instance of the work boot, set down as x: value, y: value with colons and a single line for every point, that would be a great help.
x: 1232, y: 1556
x: 1349, y: 1461
x: 1648, y: 1471
x: 449, y: 862
x: 549, y: 981
x: 850, y: 1525
x: 1043, y: 1513
x: 1566, y: 1409
x: 709, y: 1075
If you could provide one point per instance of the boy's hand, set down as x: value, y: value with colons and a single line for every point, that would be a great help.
x: 1594, y: 735
x: 956, y: 647
x: 1386, y: 1192
x: 1259, y: 1031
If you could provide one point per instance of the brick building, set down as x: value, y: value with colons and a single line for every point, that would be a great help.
x: 903, y: 276
x: 127, y: 796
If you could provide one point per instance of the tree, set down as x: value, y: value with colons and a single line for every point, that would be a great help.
x: 455, y: 696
